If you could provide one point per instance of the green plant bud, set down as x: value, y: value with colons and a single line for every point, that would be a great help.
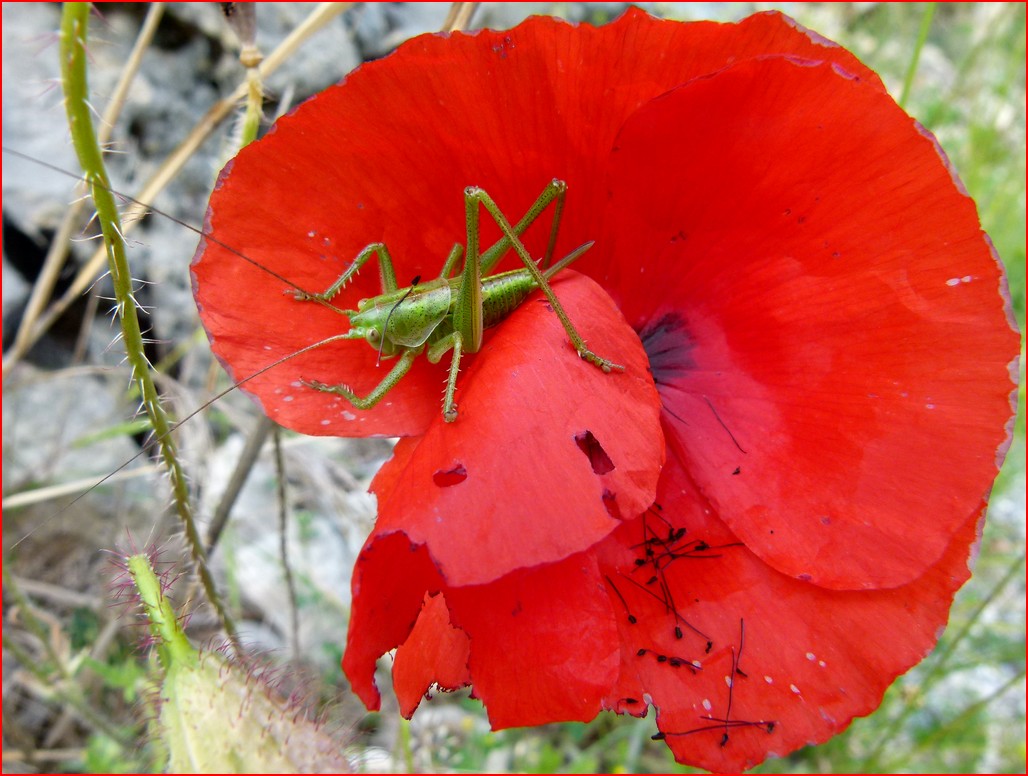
x: 216, y: 716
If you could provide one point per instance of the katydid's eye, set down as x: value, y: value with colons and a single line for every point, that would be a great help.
x: 372, y: 335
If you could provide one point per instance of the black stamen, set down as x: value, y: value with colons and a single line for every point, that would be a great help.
x: 730, y: 434
x: 624, y: 603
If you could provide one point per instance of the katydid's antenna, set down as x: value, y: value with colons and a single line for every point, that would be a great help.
x: 385, y: 326
x: 165, y: 214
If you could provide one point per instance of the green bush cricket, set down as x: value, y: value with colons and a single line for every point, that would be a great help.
x: 450, y: 313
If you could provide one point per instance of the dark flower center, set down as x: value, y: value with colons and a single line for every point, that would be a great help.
x: 668, y: 347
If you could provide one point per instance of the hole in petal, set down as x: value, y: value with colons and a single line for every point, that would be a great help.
x: 455, y: 475
x: 594, y: 451
x: 611, y: 503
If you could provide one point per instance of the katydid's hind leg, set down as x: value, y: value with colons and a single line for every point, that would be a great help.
x: 558, y: 212
x: 452, y: 341
x: 554, y: 190
x: 386, y: 273
x: 467, y: 310
x: 400, y: 368
x: 451, y: 261
x: 478, y: 195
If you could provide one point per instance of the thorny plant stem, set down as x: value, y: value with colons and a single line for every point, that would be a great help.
x: 74, y: 23
x: 169, y: 638
x: 58, y: 252
x: 915, y: 57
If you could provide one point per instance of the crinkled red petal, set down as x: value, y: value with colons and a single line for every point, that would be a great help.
x: 659, y: 612
x: 435, y: 653
x: 547, y: 455
x: 386, y: 155
x: 509, y: 637
x: 543, y: 643
x: 826, y: 320
x: 389, y: 584
x: 807, y: 659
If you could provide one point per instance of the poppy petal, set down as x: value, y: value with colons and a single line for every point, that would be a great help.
x: 525, y: 668
x: 386, y: 155
x: 547, y: 455
x: 261, y: 333
x: 435, y: 653
x: 807, y: 659
x: 508, y: 637
x: 386, y: 606
x: 832, y: 343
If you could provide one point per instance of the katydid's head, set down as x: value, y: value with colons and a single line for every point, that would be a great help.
x: 370, y: 326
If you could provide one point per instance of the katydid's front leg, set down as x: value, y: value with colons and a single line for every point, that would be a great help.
x: 400, y: 368
x: 472, y: 303
x: 435, y: 353
x: 385, y: 267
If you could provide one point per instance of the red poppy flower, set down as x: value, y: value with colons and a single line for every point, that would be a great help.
x: 810, y: 318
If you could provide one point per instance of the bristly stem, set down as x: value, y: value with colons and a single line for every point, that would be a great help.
x: 74, y: 24
x: 318, y: 18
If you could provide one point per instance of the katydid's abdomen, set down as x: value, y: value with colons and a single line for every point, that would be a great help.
x: 422, y: 313
x: 504, y: 293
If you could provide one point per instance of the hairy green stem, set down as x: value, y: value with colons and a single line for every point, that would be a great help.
x: 171, y: 642
x: 74, y: 24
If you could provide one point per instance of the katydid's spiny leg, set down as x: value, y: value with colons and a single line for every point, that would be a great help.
x: 467, y: 307
x: 554, y: 190
x: 400, y: 368
x: 558, y: 212
x: 435, y: 352
x: 451, y: 261
x: 475, y: 195
x: 386, y: 273
x: 467, y: 313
